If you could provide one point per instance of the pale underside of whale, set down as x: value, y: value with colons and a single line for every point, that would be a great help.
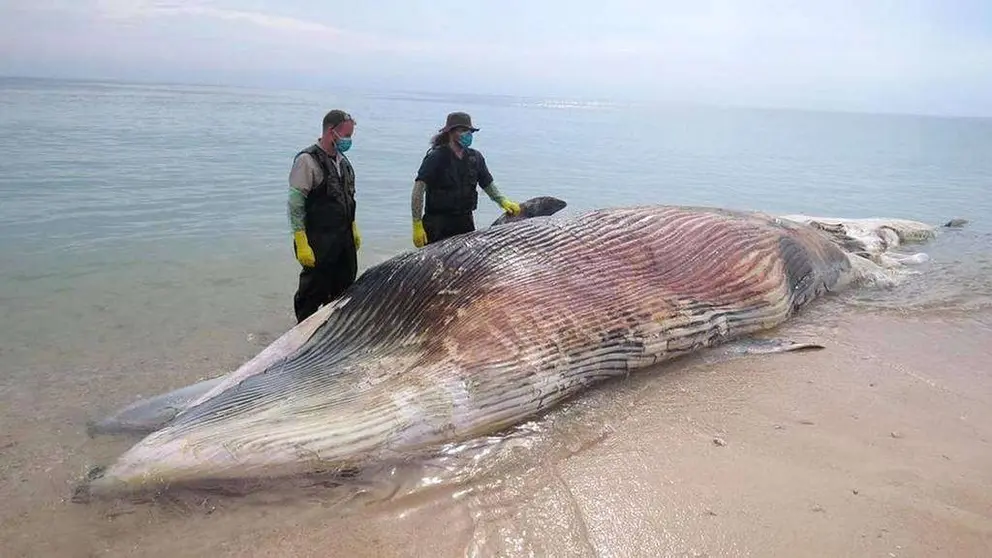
x: 471, y: 335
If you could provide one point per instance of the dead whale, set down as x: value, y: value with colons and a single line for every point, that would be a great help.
x: 468, y: 336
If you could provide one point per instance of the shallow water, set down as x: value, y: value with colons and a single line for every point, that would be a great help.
x: 144, y: 246
x: 145, y: 208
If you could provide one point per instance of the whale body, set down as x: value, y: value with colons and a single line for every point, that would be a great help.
x: 471, y: 335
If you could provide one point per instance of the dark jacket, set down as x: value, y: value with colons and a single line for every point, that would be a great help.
x: 452, y: 182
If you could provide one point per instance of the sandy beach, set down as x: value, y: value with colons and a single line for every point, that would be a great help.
x: 877, y: 445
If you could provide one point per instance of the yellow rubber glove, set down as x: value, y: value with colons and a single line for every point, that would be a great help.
x: 511, y: 207
x: 358, y: 237
x: 304, y: 254
x: 419, y: 234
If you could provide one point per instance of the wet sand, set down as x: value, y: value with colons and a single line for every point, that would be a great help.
x: 878, y: 445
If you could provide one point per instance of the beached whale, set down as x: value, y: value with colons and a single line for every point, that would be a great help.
x: 477, y: 333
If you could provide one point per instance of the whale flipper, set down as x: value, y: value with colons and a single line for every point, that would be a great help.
x: 149, y: 414
x: 750, y: 346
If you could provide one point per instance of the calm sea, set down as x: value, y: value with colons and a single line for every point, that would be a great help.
x: 139, y: 215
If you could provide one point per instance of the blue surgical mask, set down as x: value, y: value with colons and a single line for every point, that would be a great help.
x: 465, y: 139
x: 342, y: 144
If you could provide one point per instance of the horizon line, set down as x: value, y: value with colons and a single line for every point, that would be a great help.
x: 616, y: 103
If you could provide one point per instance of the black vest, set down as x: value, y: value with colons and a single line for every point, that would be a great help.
x: 452, y: 189
x: 330, y: 205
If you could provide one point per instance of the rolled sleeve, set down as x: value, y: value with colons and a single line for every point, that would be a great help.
x: 428, y: 167
x: 301, y: 177
x: 301, y: 180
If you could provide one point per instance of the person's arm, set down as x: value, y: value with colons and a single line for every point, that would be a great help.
x: 494, y: 194
x: 489, y: 186
x: 417, y: 208
x: 417, y: 200
x: 426, y: 172
x: 355, y: 234
x: 300, y: 183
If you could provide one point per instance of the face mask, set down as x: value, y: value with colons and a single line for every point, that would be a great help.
x: 465, y: 139
x: 342, y: 144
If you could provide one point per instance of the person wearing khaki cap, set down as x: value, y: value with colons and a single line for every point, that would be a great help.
x: 322, y: 216
x: 448, y: 176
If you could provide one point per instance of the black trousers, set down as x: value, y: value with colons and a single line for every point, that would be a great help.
x: 336, y: 269
x: 440, y: 226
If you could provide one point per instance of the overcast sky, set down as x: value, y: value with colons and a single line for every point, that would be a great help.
x: 925, y: 56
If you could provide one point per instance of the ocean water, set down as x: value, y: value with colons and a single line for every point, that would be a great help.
x: 137, y: 214
x: 144, y: 241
